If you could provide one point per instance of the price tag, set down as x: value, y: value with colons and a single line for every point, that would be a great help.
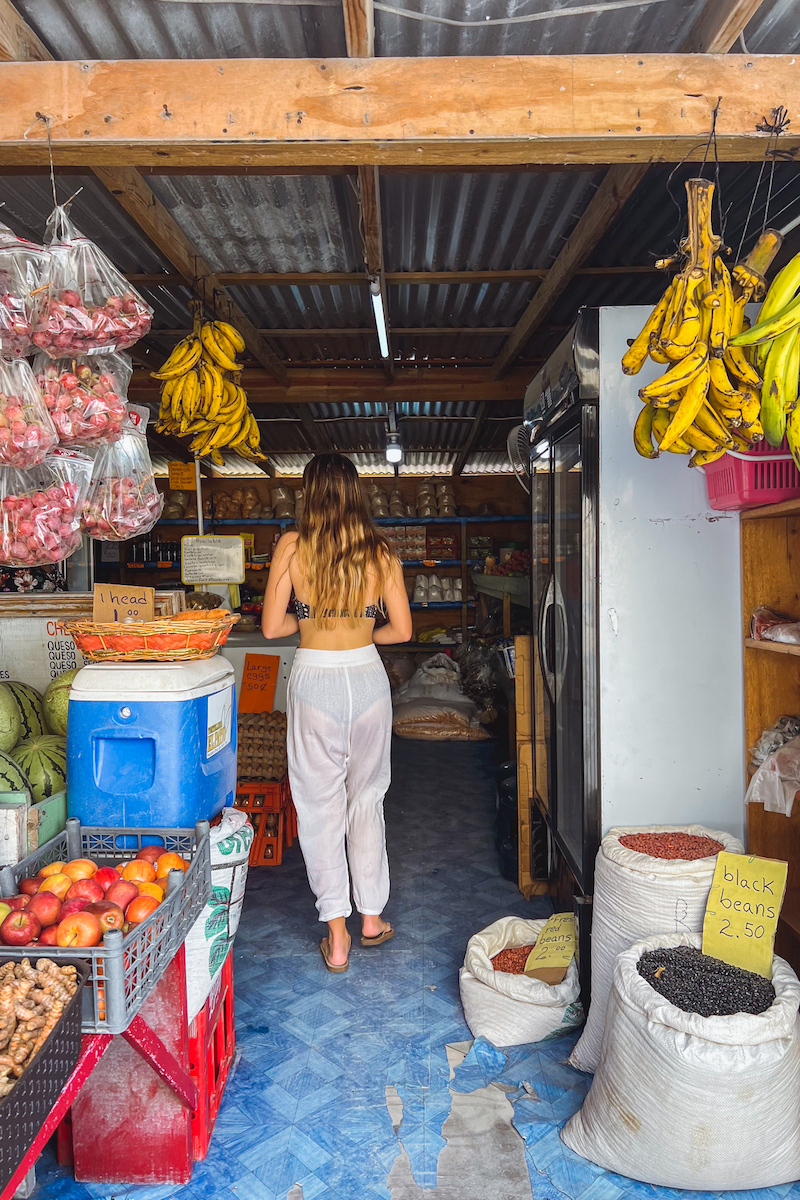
x: 742, y: 911
x: 554, y: 950
x: 115, y: 602
x: 259, y: 680
x: 211, y: 559
x: 182, y: 476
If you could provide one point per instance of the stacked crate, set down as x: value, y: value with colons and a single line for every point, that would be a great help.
x: 269, y: 806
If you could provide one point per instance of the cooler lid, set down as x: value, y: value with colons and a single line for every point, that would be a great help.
x: 168, y: 681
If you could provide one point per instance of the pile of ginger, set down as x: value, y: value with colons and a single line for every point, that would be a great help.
x: 31, y: 1004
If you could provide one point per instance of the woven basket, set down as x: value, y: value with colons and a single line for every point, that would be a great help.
x: 165, y: 640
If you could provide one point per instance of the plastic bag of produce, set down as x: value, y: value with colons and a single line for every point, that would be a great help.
x: 85, y: 396
x: 777, y: 780
x: 22, y: 266
x: 40, y: 509
x: 211, y: 936
x: 89, y: 306
x: 123, y: 500
x: 432, y: 707
x: 512, y: 1010
x: 685, y: 1101
x: 27, y: 435
x: 635, y: 896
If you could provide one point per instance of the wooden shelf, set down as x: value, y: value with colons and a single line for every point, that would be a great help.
x: 790, y: 912
x: 787, y: 508
x: 774, y: 647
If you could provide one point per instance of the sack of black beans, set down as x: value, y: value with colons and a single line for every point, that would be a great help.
x: 512, y: 1010
x: 680, y: 1100
x: 637, y: 894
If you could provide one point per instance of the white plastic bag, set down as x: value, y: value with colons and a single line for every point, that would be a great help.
x: 27, y: 434
x: 21, y: 297
x: 85, y: 396
x: 777, y: 779
x: 123, y: 500
x: 512, y: 1010
x: 684, y: 1101
x: 40, y: 509
x: 211, y: 937
x: 636, y: 896
x: 432, y: 707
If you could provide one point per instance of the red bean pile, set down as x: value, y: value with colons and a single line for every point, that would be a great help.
x: 512, y: 960
x: 672, y: 845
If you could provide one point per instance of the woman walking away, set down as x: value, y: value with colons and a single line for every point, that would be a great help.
x: 339, y: 707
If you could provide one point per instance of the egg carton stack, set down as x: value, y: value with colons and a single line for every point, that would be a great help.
x: 67, y: 460
x: 435, y: 498
x: 262, y: 746
x: 435, y: 589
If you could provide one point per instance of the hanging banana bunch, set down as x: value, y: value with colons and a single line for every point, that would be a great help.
x: 708, y: 400
x: 202, y: 396
x: 773, y: 346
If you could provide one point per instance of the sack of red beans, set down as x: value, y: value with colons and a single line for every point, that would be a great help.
x: 89, y: 306
x: 649, y: 879
x: 40, y: 509
x: 123, y: 500
x: 27, y: 435
x: 85, y: 396
x: 22, y: 265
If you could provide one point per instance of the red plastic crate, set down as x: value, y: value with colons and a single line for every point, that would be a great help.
x: 212, y: 1045
x: 267, y: 848
x: 261, y: 797
x: 748, y: 479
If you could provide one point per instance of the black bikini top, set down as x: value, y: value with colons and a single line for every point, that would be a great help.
x: 303, y: 611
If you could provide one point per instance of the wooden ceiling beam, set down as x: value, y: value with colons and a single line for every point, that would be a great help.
x: 18, y: 42
x: 359, y: 28
x: 356, y: 278
x: 719, y: 25
x: 364, y: 330
x: 157, y: 222
x: 449, y: 112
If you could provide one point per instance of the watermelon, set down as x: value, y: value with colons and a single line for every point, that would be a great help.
x: 12, y: 778
x: 56, y: 700
x: 31, y: 712
x: 10, y: 723
x: 44, y: 762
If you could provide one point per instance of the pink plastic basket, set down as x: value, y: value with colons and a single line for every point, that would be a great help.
x: 748, y: 479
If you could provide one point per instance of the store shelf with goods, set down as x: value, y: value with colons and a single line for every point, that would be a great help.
x: 419, y: 563
x: 285, y: 522
x: 775, y: 647
x: 432, y: 604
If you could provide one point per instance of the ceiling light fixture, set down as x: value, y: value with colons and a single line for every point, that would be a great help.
x: 394, y: 450
x: 380, y: 316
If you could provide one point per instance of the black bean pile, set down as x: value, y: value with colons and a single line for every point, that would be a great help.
x: 700, y: 984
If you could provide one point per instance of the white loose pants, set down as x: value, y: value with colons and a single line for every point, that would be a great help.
x: 339, y: 717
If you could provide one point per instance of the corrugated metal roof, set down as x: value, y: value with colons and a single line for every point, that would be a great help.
x: 774, y: 29
x: 489, y: 462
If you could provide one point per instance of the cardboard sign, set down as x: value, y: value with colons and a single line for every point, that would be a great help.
x: 123, y: 602
x: 212, y: 559
x: 182, y: 476
x: 554, y: 950
x: 259, y: 680
x: 742, y: 911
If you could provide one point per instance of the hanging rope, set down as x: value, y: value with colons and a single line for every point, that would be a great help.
x: 774, y: 128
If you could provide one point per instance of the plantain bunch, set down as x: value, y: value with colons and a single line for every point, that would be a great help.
x: 201, y: 395
x: 708, y: 400
x: 773, y: 345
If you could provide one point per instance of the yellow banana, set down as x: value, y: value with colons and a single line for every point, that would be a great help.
x: 793, y: 434
x: 773, y: 411
x: 679, y: 376
x: 708, y: 422
x: 790, y: 387
x: 738, y: 365
x: 690, y: 405
x: 749, y: 273
x: 698, y: 440
x: 233, y: 335
x: 635, y: 355
x: 720, y: 317
x: 720, y: 381
x: 214, y: 350
x: 661, y: 420
x: 224, y: 342
x: 174, y: 367
x: 769, y: 330
x: 703, y: 457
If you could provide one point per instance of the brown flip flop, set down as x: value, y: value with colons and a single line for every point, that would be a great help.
x: 334, y: 968
x: 379, y: 938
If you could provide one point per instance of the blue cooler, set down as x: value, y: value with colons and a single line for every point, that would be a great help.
x: 151, y: 744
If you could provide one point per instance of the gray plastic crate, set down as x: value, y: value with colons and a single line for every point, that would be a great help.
x: 124, y: 970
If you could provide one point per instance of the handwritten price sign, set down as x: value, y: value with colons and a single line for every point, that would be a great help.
x: 259, y: 680
x: 743, y: 909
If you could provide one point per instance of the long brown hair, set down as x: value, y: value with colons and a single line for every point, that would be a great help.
x: 338, y: 544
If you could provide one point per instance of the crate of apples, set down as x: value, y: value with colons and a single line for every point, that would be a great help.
x: 75, y: 903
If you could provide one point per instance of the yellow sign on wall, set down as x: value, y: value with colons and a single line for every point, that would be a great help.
x: 182, y: 476
x: 554, y: 950
x: 742, y: 911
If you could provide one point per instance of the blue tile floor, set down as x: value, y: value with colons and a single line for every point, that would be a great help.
x: 344, y: 1081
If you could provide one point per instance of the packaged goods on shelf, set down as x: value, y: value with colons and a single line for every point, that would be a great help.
x: 27, y: 432
x: 442, y: 545
x: 85, y: 396
x: 123, y: 500
x: 40, y: 509
x: 283, y: 502
x: 89, y: 306
x: 513, y: 1010
x: 22, y: 265
x: 479, y: 545
x: 769, y: 626
x: 431, y: 706
x: 262, y: 746
x: 733, y: 1117
x: 638, y: 895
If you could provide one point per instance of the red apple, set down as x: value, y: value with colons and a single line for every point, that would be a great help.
x: 16, y: 902
x: 106, y: 877
x: 19, y: 928
x: 109, y: 915
x: 48, y: 936
x: 81, y: 929
x: 122, y: 893
x: 29, y: 887
x: 73, y: 906
x: 46, y: 907
x: 80, y: 868
x: 58, y: 883
x: 151, y: 853
x: 87, y: 888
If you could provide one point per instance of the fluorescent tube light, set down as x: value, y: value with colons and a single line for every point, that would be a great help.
x: 380, y: 316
